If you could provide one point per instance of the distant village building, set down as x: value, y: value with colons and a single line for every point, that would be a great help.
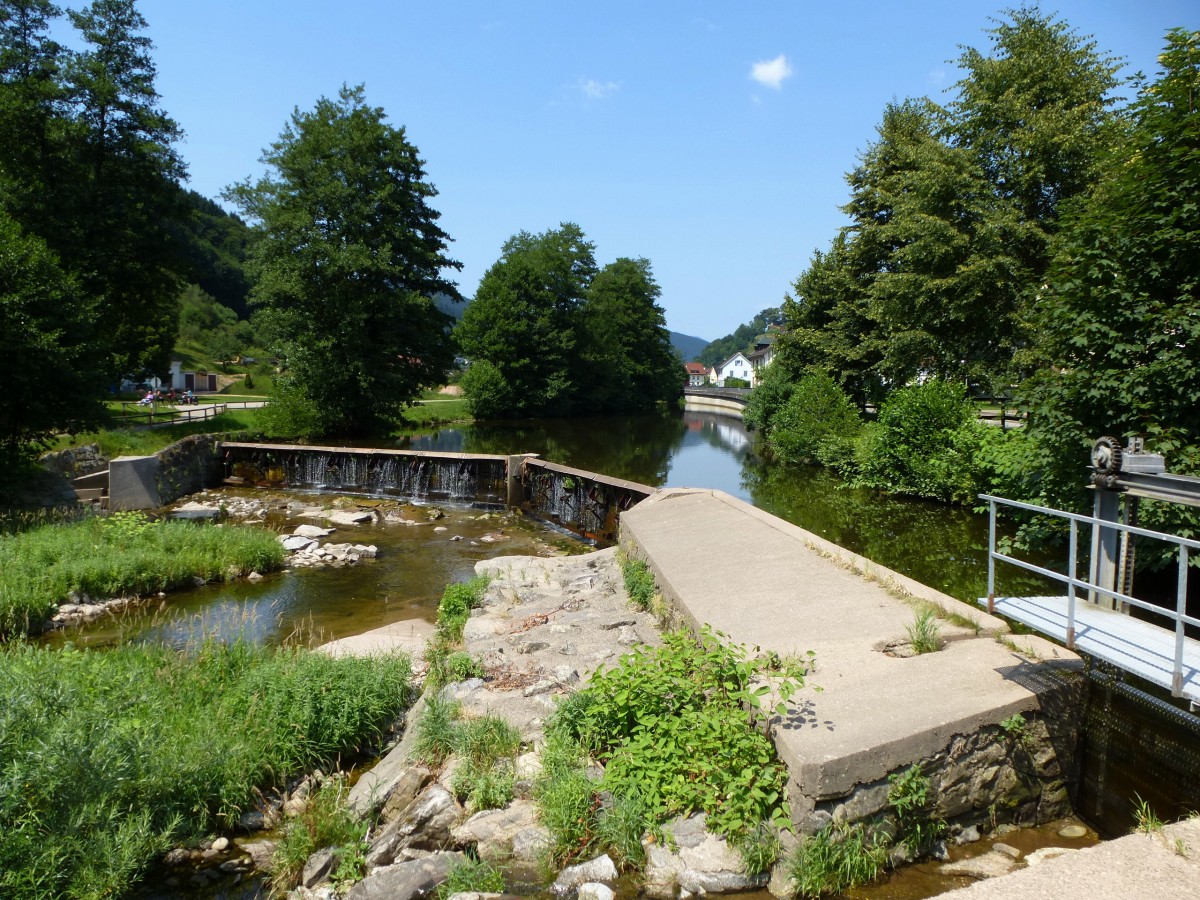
x: 764, y: 351
x: 697, y: 374
x: 737, y: 366
x: 196, y: 382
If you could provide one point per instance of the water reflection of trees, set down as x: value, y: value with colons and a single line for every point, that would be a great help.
x: 636, y: 448
x: 943, y: 547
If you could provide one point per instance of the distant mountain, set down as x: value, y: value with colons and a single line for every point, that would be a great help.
x: 687, y: 346
x: 445, y: 304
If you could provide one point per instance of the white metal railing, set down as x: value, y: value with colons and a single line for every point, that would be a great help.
x: 1178, y: 615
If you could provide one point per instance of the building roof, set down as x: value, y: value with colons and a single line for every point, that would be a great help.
x: 696, y: 368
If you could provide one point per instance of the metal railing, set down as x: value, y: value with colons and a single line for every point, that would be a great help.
x: 1178, y: 615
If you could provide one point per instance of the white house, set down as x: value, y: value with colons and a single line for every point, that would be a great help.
x: 697, y: 374
x: 737, y: 366
x: 192, y: 381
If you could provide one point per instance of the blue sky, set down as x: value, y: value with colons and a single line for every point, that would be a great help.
x: 643, y: 122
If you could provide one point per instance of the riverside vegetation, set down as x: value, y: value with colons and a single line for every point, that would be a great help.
x: 108, y: 758
x: 119, y: 555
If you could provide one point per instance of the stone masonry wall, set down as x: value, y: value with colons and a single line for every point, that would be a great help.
x: 188, y: 466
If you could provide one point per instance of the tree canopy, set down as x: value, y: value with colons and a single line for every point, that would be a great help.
x: 347, y: 258
x: 549, y: 333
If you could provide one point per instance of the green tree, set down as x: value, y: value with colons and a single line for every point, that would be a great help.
x: 1120, y: 320
x: 116, y: 234
x: 830, y: 327
x: 348, y: 256
x: 742, y: 337
x: 627, y: 363
x: 48, y: 361
x: 523, y: 323
x: 934, y: 244
x: 817, y: 424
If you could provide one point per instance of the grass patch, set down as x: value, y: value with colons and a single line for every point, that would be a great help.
x: 120, y: 555
x: 146, y: 441
x: 924, y: 633
x: 456, y: 604
x: 108, y: 758
x: 325, y: 821
x: 836, y: 858
x: 472, y: 876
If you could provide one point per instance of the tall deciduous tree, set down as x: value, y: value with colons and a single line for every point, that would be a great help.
x: 48, y: 362
x: 627, y: 363
x: 1120, y: 323
x: 520, y: 330
x: 348, y: 257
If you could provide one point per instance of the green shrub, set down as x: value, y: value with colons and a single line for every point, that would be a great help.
x: 109, y: 758
x: 818, y: 424
x: 909, y: 797
x: 456, y: 604
x: 766, y: 400
x: 325, y: 821
x: 670, y: 726
x: 924, y: 443
x: 472, y: 876
x: 436, y: 732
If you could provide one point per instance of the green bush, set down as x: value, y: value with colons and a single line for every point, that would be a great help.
x: 765, y: 401
x: 670, y: 725
x: 109, y: 758
x: 456, y: 604
x: 121, y: 555
x: 472, y: 876
x: 924, y: 443
x: 818, y: 424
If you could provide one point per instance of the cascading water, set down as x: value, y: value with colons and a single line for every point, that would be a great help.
x: 416, y: 477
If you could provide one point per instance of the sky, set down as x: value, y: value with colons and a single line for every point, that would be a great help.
x: 710, y: 138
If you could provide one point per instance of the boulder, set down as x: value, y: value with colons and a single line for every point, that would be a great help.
x: 594, y: 891
x: 348, y: 517
x: 702, y: 863
x: 601, y: 869
x: 312, y: 531
x: 294, y: 543
x: 316, y: 869
x: 406, y: 880
x: 989, y: 865
x: 425, y: 825
x: 492, y: 831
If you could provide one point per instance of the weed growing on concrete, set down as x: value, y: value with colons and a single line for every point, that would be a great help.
x: 472, y: 876
x: 639, y: 581
x: 838, y: 857
x: 1182, y: 848
x: 908, y: 795
x: 1016, y: 729
x: 1144, y: 818
x: 924, y: 633
x: 325, y: 821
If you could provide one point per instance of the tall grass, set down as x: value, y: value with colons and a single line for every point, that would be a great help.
x: 145, y: 441
x: 119, y: 556
x: 108, y: 758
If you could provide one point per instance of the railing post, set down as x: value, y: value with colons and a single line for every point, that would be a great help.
x: 991, y: 606
x: 1106, y: 543
x: 1180, y: 612
x: 1072, y: 565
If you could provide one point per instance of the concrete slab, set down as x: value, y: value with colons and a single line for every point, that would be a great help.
x: 864, y: 713
x: 408, y: 636
x: 133, y: 483
x: 1150, y: 866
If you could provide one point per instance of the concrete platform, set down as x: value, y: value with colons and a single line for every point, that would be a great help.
x: 1136, y: 867
x: 864, y: 713
x: 408, y: 636
x: 1144, y: 648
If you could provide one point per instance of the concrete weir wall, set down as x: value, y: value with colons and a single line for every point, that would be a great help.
x: 992, y: 720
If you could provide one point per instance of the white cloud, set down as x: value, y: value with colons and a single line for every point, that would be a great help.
x: 771, y: 72
x: 597, y: 90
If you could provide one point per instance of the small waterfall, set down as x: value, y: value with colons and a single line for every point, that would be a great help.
x: 411, y: 476
x: 584, y: 503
